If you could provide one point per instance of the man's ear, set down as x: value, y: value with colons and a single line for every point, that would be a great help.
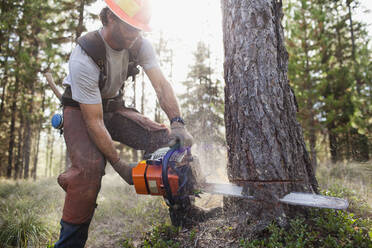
x: 110, y: 17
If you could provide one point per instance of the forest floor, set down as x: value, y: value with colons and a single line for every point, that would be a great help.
x: 30, y: 213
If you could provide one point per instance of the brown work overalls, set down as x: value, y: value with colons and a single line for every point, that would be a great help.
x: 82, y: 181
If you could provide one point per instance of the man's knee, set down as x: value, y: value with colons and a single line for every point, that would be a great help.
x: 135, y: 130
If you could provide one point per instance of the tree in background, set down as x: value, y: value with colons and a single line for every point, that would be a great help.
x: 329, y: 71
x: 165, y: 56
x: 32, y: 34
x: 266, y: 150
x: 304, y: 68
x: 202, y: 104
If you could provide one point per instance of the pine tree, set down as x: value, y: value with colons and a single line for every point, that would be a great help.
x: 304, y: 67
x: 323, y: 42
x: 202, y: 104
x: 33, y: 32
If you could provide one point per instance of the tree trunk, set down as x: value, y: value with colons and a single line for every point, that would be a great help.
x: 80, y: 27
x: 47, y: 151
x: 142, y: 92
x: 19, y: 158
x: 36, y: 154
x: 28, y: 130
x: 266, y: 150
x: 312, y: 143
x: 12, y: 128
x: 134, y: 151
x: 3, y: 87
x: 355, y: 62
x: 51, y: 155
x: 157, y: 114
x: 30, y: 103
x: 40, y: 121
x: 308, y: 80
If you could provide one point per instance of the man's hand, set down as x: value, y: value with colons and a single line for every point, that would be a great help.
x: 181, y: 135
x: 124, y: 170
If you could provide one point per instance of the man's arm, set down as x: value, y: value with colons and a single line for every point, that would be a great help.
x: 168, y: 102
x: 164, y: 91
x: 93, y: 118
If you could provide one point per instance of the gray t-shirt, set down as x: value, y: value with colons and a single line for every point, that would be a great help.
x: 84, y: 73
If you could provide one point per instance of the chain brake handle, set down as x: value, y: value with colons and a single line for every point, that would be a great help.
x: 165, y: 167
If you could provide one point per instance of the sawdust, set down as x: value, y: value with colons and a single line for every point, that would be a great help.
x: 212, y: 165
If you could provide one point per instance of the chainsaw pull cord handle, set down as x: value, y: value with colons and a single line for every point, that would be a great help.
x: 164, y: 174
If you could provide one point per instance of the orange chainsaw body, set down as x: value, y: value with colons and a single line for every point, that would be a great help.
x: 147, y: 179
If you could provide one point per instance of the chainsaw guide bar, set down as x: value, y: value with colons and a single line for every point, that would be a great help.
x: 294, y: 198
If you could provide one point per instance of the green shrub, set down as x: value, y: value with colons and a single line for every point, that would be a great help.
x: 162, y: 236
x: 126, y: 244
x: 322, y: 228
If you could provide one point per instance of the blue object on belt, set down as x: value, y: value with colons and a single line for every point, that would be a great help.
x: 57, y: 121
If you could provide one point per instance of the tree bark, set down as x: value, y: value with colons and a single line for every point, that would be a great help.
x: 80, y: 26
x: 11, y: 132
x: 313, y: 152
x: 29, y: 131
x: 3, y: 86
x: 39, y: 128
x: 18, y: 163
x: 142, y: 92
x: 266, y: 150
x: 51, y: 155
x: 47, y: 151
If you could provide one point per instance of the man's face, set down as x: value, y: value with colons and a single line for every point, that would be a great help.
x: 123, y: 34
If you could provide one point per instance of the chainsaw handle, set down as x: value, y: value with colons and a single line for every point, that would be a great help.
x: 164, y: 175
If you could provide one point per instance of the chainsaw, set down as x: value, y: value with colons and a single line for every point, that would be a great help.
x: 173, y: 173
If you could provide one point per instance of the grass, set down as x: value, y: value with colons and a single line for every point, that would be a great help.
x: 30, y: 213
x: 352, y: 181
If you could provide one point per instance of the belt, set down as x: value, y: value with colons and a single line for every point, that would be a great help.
x: 108, y: 105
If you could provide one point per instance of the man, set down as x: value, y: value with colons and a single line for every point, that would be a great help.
x: 94, y: 113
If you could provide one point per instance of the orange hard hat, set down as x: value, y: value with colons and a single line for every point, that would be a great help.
x: 134, y: 12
